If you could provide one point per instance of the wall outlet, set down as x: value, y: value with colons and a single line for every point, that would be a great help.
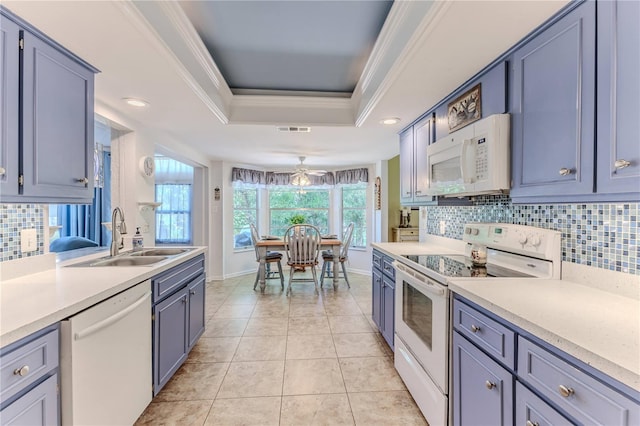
x: 28, y: 240
x: 443, y: 227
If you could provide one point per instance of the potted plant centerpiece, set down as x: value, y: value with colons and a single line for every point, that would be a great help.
x: 297, y: 219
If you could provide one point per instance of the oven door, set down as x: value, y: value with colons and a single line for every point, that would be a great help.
x: 422, y: 321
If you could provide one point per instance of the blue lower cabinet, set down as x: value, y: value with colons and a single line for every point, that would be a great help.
x: 389, y: 309
x: 196, y: 310
x: 376, y: 300
x: 37, y: 407
x: 29, y: 380
x: 531, y: 410
x: 170, y: 332
x: 178, y: 317
x: 482, y: 389
x: 383, y: 296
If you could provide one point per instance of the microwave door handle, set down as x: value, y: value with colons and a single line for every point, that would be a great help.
x: 464, y: 172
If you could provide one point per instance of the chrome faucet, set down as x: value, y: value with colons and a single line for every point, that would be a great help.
x: 117, y: 231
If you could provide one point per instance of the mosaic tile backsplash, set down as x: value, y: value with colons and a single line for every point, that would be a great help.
x: 13, y: 218
x: 600, y: 235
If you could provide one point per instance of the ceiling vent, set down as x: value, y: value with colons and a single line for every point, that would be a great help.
x: 294, y: 129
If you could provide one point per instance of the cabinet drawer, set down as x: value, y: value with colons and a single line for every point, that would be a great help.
x: 377, y: 259
x: 387, y: 267
x: 531, y: 410
x: 493, y: 337
x: 33, y: 360
x: 586, y: 399
x: 37, y: 407
x: 169, y: 281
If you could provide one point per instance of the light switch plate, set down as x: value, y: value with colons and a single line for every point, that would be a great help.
x: 28, y: 240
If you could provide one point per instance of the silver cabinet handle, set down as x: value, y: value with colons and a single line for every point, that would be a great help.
x: 489, y: 385
x: 565, y: 391
x: 22, y: 371
x: 475, y: 328
x: 83, y: 180
x: 192, y: 292
x: 184, y: 300
x: 621, y: 164
x: 418, y: 192
x: 3, y: 171
x: 408, y: 193
x: 565, y: 172
x: 530, y: 423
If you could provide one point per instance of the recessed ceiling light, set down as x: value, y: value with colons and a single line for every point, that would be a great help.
x: 389, y: 121
x: 136, y: 102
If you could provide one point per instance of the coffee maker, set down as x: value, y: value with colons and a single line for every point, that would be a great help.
x: 405, y: 217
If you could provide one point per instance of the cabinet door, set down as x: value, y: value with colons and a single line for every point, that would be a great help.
x: 170, y: 337
x: 388, y: 309
x: 423, y: 137
x: 531, y: 410
x: 376, y: 300
x: 618, y: 101
x: 553, y: 92
x: 39, y: 406
x: 482, y: 389
x: 406, y: 166
x: 196, y: 310
x: 9, y: 35
x: 57, y: 115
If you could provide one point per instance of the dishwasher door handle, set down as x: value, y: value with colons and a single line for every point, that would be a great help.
x: 112, y: 319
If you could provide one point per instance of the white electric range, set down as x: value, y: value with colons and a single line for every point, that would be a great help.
x: 422, y: 300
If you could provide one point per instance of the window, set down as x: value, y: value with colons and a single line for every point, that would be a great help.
x: 174, y: 189
x: 245, y: 212
x: 284, y: 203
x: 354, y: 209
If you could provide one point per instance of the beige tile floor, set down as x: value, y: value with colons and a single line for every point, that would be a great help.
x: 269, y: 359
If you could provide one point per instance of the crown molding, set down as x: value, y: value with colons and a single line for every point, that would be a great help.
x: 166, y: 36
x: 167, y: 25
x: 406, y: 28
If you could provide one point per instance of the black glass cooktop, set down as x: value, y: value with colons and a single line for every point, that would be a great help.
x: 461, y: 266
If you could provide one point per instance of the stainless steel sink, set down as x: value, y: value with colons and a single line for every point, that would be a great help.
x: 122, y: 261
x: 160, y: 252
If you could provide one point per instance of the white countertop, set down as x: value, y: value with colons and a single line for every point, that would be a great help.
x: 596, y: 324
x: 32, y: 302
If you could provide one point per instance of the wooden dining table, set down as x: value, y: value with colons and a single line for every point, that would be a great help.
x: 265, y: 245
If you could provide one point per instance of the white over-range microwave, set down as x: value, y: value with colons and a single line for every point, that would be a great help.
x: 473, y: 160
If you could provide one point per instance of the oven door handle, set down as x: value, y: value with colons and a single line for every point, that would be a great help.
x: 427, y: 284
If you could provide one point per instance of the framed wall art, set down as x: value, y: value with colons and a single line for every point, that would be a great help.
x: 465, y: 109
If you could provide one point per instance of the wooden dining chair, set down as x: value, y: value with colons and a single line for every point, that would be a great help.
x: 271, y: 257
x: 302, y: 246
x: 327, y: 257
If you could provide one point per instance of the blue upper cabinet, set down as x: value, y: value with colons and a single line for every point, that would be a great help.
x: 553, y: 109
x: 9, y: 83
x: 414, y: 175
x: 52, y: 131
x: 618, y: 110
x: 57, y: 110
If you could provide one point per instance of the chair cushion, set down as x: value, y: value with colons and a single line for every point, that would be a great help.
x: 273, y: 255
x: 70, y: 243
x: 327, y: 253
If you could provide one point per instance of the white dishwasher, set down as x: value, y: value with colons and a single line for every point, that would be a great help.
x: 105, y: 360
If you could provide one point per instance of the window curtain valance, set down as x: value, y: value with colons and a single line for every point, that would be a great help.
x: 352, y: 176
x: 249, y: 176
x: 255, y: 177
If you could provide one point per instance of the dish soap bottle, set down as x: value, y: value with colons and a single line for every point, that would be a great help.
x: 138, y: 240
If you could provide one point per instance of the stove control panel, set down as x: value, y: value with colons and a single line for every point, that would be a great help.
x: 526, y: 240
